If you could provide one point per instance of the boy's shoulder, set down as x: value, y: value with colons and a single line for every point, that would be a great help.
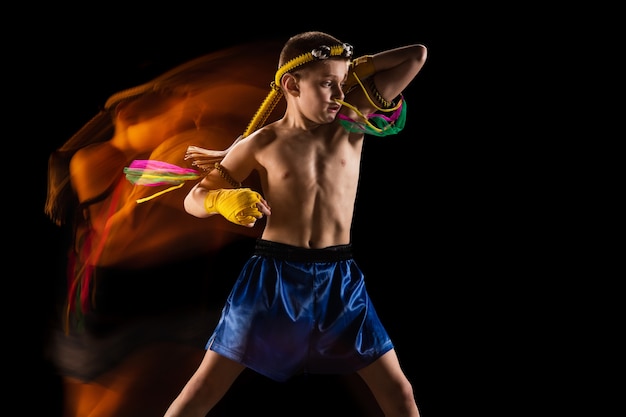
x: 261, y: 137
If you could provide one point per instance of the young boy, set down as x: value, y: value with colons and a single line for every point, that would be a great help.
x: 300, y: 304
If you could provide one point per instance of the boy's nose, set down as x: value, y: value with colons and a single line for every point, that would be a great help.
x: 338, y: 93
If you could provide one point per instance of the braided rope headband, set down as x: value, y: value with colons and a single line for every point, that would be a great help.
x: 344, y: 50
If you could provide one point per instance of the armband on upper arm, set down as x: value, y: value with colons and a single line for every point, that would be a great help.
x: 386, y: 105
x: 361, y: 68
x: 226, y: 175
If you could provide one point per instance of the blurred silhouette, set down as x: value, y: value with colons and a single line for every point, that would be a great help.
x: 135, y: 314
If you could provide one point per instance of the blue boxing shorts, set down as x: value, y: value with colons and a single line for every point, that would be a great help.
x: 294, y: 310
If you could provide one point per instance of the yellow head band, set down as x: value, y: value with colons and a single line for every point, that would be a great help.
x: 323, y: 52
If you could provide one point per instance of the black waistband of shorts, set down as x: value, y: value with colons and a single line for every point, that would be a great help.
x: 286, y: 252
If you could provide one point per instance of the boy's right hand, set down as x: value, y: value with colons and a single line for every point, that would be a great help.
x: 241, y: 206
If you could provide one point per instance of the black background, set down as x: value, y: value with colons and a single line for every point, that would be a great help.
x: 422, y: 264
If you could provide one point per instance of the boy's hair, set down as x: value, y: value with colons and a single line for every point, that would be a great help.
x: 303, y: 43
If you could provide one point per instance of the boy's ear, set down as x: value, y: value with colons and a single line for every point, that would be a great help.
x: 290, y: 84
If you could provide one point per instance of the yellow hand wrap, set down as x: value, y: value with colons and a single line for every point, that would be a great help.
x: 237, y: 205
x: 363, y: 67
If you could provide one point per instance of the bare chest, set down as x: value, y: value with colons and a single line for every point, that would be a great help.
x: 314, y: 163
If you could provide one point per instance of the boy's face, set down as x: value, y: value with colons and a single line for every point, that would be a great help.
x: 319, y: 85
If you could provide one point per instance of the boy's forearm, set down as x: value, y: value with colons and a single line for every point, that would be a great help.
x: 392, y: 58
x: 194, y: 201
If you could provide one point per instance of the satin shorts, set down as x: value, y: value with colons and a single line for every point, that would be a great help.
x: 294, y: 310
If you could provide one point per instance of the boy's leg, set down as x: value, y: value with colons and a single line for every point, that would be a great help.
x: 206, y: 386
x: 390, y: 387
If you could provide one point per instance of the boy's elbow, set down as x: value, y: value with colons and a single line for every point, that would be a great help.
x: 421, y: 52
x: 416, y: 60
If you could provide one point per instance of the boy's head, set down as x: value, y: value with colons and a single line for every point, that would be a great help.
x: 299, y: 50
x: 307, y: 47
